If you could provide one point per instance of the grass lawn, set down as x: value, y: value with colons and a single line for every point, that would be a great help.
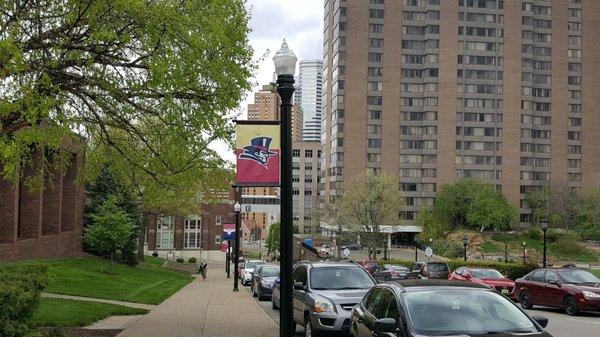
x: 596, y: 272
x: 491, y: 247
x: 68, y: 313
x: 146, y: 283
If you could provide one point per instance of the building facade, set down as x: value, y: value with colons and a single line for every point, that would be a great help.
x: 306, y: 165
x: 308, y: 96
x: 433, y: 91
x: 42, y: 224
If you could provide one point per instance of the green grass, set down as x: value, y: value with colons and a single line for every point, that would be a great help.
x: 491, y: 247
x: 146, y: 283
x: 149, y: 259
x: 54, y: 312
x: 596, y: 272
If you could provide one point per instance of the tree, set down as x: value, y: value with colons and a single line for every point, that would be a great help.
x: 103, y: 187
x: 110, y: 230
x: 471, y: 204
x: 556, y: 202
x: 368, y: 203
x: 273, y: 242
x: 148, y: 83
x: 587, y: 215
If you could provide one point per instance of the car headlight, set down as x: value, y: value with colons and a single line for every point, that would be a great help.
x: 589, y: 295
x: 323, y: 306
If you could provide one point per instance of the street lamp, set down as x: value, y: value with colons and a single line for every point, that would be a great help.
x: 236, y: 260
x: 416, y: 238
x: 544, y: 224
x: 465, y: 241
x: 524, y: 251
x: 285, y: 68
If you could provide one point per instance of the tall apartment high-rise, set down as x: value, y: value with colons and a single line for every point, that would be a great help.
x: 308, y: 97
x: 436, y: 90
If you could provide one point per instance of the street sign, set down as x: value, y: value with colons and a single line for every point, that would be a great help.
x: 228, y: 231
x: 429, y: 252
x: 248, y: 208
x: 346, y: 252
x: 224, y: 246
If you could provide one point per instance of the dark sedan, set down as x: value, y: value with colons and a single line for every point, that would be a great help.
x: 264, y: 280
x: 389, y: 272
x: 421, y: 308
x: 573, y: 290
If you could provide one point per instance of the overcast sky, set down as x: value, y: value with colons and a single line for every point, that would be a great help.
x: 300, y: 22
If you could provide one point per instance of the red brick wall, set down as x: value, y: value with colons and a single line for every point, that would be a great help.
x: 44, y: 232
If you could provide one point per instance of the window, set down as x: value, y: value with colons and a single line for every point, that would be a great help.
x: 538, y: 276
x: 218, y: 220
x: 295, y: 153
x: 376, y: 13
x: 217, y: 239
x: 373, y: 300
x: 308, y: 153
x: 374, y: 114
x: 191, y: 232
x: 388, y: 307
x: 165, y: 226
x: 374, y: 143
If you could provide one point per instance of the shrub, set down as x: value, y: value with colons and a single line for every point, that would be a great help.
x: 155, y: 254
x: 180, y: 260
x: 447, y: 249
x: 408, y: 264
x: 511, y: 270
x: 192, y: 260
x: 534, y: 234
x: 20, y: 289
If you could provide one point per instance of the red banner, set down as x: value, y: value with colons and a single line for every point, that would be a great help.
x: 258, y: 155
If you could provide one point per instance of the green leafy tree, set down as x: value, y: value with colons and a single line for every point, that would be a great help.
x: 556, y: 202
x: 587, y: 218
x: 471, y: 204
x: 273, y: 241
x: 148, y: 83
x: 367, y: 204
x: 110, y: 230
x: 103, y: 187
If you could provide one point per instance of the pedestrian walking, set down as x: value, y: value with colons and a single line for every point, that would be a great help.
x: 202, y: 270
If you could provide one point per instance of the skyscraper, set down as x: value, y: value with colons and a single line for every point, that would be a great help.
x: 308, y: 97
x: 434, y: 90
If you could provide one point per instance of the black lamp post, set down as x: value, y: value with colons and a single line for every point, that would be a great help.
x: 524, y: 251
x: 236, y: 259
x: 465, y: 241
x: 416, y: 241
x: 544, y: 224
x: 285, y: 67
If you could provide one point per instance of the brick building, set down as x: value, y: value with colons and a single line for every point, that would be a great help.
x: 42, y: 224
x: 192, y: 235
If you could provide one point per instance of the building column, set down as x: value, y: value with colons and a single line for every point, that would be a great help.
x: 389, y: 241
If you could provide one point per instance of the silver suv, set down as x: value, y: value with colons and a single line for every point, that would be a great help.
x: 325, y: 293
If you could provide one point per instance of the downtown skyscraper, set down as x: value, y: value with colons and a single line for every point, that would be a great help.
x: 308, y: 96
x: 432, y: 91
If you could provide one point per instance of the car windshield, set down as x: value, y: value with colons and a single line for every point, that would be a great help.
x: 338, y: 278
x: 397, y: 268
x: 437, y: 266
x: 486, y: 273
x: 578, y: 276
x: 269, y: 272
x: 251, y: 265
x: 464, y: 311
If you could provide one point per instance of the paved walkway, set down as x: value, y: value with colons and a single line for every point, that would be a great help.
x: 206, y: 309
x: 93, y: 299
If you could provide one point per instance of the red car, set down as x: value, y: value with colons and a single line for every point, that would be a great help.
x: 573, y: 290
x: 489, y: 277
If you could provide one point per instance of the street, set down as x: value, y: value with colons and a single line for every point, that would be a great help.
x: 560, y: 324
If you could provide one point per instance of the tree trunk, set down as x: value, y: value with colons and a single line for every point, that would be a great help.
x: 142, y: 238
x: 110, y: 263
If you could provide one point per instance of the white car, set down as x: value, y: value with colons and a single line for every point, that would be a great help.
x: 248, y: 270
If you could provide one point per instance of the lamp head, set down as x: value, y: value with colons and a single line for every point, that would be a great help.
x: 544, y: 224
x: 465, y: 240
x: 237, y: 207
x: 285, y: 61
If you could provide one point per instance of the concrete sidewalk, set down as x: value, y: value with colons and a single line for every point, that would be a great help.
x: 206, y: 309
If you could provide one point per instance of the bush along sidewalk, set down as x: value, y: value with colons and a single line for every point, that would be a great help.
x: 20, y: 289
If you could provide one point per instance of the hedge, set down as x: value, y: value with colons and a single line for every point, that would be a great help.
x: 511, y: 270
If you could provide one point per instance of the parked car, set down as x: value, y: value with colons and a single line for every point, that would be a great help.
x: 264, y: 280
x: 573, y: 290
x: 486, y: 276
x: 276, y: 294
x: 352, y: 246
x: 435, y: 270
x: 389, y: 272
x: 423, y: 308
x: 247, y: 270
x: 253, y: 278
x: 325, y: 293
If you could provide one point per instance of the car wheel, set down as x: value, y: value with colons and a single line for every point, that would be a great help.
x: 259, y: 295
x: 273, y: 306
x: 308, y: 328
x: 253, y: 292
x: 525, y: 301
x: 571, y: 306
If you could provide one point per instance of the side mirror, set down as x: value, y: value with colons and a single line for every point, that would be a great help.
x: 541, y: 320
x: 298, y: 286
x: 385, y: 325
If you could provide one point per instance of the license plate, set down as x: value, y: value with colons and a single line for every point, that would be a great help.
x: 505, y: 291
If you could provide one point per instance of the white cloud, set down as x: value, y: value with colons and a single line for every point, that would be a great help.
x: 300, y: 22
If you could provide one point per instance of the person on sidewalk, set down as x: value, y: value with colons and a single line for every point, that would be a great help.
x: 202, y: 270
